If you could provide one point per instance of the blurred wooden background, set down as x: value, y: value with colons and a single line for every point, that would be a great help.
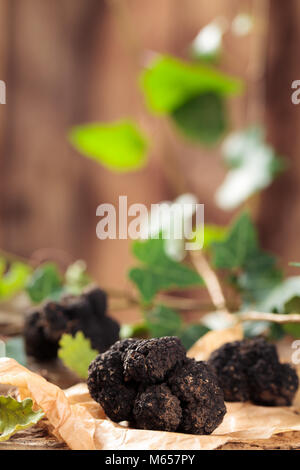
x: 67, y: 62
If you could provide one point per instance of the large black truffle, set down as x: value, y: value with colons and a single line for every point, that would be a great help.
x: 153, y: 385
x: 250, y: 370
x: 87, y: 313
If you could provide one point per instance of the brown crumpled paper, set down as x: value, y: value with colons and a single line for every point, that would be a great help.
x: 82, y: 424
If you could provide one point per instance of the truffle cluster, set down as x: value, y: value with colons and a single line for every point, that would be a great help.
x: 153, y: 385
x: 250, y: 370
x: 87, y: 313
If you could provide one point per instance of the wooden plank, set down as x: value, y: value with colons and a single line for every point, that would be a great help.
x: 38, y: 438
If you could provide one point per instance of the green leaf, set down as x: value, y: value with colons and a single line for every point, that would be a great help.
x: 212, y: 234
x: 163, y: 321
x: 255, y: 328
x: 14, y: 280
x: 292, y: 329
x: 136, y: 330
x: 191, y: 333
x: 16, y: 416
x: 2, y: 266
x: 279, y: 297
x: 159, y: 271
x: 259, y: 278
x: 169, y: 83
x: 76, y: 278
x: 120, y: 146
x: 253, y: 166
x: 15, y: 349
x: 292, y: 306
x: 76, y: 353
x: 202, y: 118
x: 276, y: 332
x: 254, y: 272
x: 239, y: 246
x: 45, y: 282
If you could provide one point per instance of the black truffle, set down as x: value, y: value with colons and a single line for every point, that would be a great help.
x: 202, y: 400
x: 87, y: 313
x: 153, y: 385
x: 157, y: 408
x: 148, y: 361
x: 107, y: 386
x: 250, y: 370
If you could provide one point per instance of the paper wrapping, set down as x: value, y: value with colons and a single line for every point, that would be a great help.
x: 80, y: 422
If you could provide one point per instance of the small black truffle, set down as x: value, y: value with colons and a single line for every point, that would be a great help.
x: 148, y: 361
x: 107, y: 386
x: 250, y: 370
x: 87, y: 313
x: 157, y: 408
x: 202, y: 400
x: 153, y: 385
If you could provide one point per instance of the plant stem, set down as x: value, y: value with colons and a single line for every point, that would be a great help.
x: 271, y: 317
x: 212, y: 282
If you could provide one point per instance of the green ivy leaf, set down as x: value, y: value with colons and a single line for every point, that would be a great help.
x: 16, y: 416
x: 45, y: 282
x: 286, y: 299
x: 202, y: 118
x: 76, y: 353
x: 212, y: 234
x: 276, y: 332
x: 14, y: 280
x: 280, y: 296
x: 256, y: 328
x: 76, y: 278
x: 191, y: 333
x: 159, y: 271
x: 239, y: 246
x: 259, y: 278
x: 255, y: 273
x: 135, y: 330
x: 292, y: 306
x: 169, y: 83
x: 163, y: 321
x: 120, y: 146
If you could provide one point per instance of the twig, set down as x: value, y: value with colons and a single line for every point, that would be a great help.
x: 216, y: 293
x: 271, y: 317
x: 212, y: 282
